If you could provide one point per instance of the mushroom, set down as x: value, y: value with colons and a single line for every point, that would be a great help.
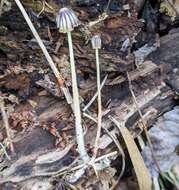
x: 96, y: 45
x: 66, y: 22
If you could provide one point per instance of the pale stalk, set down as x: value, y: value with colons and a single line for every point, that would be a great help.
x: 99, y: 120
x: 45, y: 52
x: 76, y: 104
x: 95, y: 95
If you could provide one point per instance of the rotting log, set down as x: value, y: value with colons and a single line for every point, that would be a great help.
x: 34, y: 157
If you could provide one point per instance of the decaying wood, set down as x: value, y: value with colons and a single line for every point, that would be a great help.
x: 166, y: 58
x: 153, y: 101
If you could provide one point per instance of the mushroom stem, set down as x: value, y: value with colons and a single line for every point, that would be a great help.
x: 99, y: 121
x: 76, y: 103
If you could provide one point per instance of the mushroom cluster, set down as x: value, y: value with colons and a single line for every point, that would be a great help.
x: 66, y: 22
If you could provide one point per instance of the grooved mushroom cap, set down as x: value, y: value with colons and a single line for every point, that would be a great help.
x: 96, y: 42
x: 66, y: 20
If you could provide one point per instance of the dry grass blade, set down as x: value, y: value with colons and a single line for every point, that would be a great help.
x: 143, y: 176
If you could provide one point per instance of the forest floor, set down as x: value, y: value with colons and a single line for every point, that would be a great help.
x: 140, y: 75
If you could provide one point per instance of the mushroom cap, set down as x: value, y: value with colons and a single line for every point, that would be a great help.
x: 66, y: 20
x: 96, y: 42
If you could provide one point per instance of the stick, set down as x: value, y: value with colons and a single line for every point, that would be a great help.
x: 95, y: 95
x: 69, y: 169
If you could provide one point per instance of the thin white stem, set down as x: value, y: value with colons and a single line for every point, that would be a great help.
x: 96, y: 146
x: 45, y: 52
x: 76, y: 104
x: 95, y: 95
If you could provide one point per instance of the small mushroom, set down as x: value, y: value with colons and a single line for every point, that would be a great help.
x: 66, y: 22
x: 96, y: 44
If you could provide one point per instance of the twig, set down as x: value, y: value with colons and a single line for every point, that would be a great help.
x: 43, y: 8
x: 5, y: 152
x: 90, y: 117
x: 6, y: 123
x: 107, y: 7
x: 83, y: 165
x: 95, y: 95
x: 143, y: 122
x: 46, y: 54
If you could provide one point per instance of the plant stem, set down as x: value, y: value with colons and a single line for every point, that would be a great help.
x: 45, y: 52
x: 95, y: 95
x: 99, y: 105
x: 76, y: 103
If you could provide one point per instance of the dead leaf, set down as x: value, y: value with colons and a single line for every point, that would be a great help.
x: 143, y: 176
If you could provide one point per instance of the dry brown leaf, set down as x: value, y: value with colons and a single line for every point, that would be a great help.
x: 143, y: 176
